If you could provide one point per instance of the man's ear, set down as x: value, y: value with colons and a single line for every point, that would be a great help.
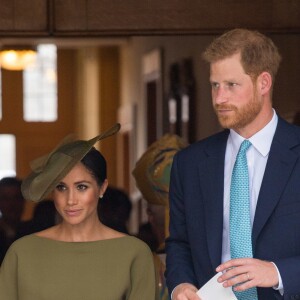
x: 265, y: 82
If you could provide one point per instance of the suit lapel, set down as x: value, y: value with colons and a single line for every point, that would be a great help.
x: 211, y: 173
x: 278, y: 169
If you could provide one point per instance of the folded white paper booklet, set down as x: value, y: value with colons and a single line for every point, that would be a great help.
x: 213, y: 290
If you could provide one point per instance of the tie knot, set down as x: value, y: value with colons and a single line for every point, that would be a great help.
x: 245, y: 146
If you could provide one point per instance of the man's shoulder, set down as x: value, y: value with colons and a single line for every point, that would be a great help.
x: 287, y: 131
x: 214, y: 141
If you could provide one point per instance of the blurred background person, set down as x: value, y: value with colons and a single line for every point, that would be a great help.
x: 146, y: 234
x: 152, y: 175
x: 114, y: 209
x: 11, y: 209
x: 2, y: 248
x: 44, y: 216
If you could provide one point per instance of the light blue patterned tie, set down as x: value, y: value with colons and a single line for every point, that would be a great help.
x: 239, y: 220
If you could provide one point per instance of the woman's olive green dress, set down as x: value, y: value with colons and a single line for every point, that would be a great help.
x: 37, y: 268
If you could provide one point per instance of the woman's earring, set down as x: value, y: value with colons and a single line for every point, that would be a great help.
x: 101, y: 196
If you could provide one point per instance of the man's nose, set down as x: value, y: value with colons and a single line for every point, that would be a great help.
x: 220, y: 95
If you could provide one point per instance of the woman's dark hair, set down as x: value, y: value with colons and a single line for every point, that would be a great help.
x: 95, y: 162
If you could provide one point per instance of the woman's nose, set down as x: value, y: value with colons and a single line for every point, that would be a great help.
x: 71, y: 200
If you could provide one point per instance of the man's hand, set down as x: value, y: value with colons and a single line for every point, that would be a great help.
x: 185, y: 291
x: 248, y: 273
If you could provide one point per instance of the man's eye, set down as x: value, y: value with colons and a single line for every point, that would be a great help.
x: 232, y: 84
x: 214, y: 85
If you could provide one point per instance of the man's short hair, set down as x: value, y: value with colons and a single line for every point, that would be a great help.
x: 258, y: 52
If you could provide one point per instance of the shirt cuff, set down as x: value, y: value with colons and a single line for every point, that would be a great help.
x: 279, y: 287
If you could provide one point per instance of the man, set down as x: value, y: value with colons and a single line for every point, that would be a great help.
x: 243, y: 66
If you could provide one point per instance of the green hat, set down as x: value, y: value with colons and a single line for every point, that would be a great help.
x: 152, y: 170
x: 48, y: 170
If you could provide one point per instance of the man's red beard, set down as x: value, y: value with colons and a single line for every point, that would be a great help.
x: 238, y: 117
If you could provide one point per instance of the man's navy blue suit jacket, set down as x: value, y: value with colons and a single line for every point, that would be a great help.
x: 194, y: 247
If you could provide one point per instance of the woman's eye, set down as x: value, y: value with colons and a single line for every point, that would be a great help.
x: 81, y: 187
x: 60, y: 187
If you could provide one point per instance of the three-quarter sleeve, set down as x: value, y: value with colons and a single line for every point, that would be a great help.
x: 143, y: 276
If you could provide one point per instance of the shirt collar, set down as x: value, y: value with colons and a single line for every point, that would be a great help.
x: 261, y: 140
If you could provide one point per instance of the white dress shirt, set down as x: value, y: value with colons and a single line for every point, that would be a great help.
x: 257, y: 156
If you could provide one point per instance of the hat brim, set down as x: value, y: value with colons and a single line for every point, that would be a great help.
x: 152, y: 170
x: 55, y: 166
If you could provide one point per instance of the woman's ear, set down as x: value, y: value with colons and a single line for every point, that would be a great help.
x: 103, y: 188
x: 265, y: 82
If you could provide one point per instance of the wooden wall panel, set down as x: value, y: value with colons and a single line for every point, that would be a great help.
x: 69, y: 15
x: 31, y: 15
x: 286, y: 14
x: 109, y: 87
x: 6, y: 15
x: 133, y: 17
x: 27, y: 17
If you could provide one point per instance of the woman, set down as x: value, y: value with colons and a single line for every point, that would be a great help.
x: 79, y: 258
